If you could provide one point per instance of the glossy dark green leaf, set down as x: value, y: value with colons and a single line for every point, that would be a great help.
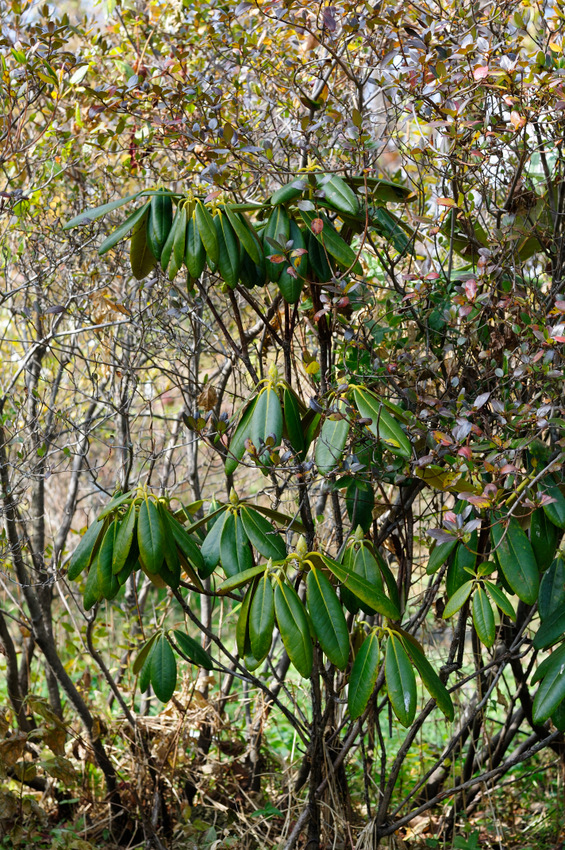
x: 142, y: 259
x: 360, y: 501
x: 228, y: 250
x: 293, y: 627
x: 551, y: 630
x: 359, y: 587
x: 277, y: 228
x: 552, y: 589
x: 122, y: 231
x: 177, y: 231
x: 236, y: 448
x: 262, y: 618
x: 150, y: 535
x: 332, y: 440
x: 192, y: 649
x: 361, y: 561
x: 187, y: 546
x: 462, y: 566
x: 145, y: 673
x: 363, y: 676
x: 558, y: 717
x: 159, y: 223
x: 544, y: 537
x: 267, y: 420
x: 293, y: 423
x: 458, y: 599
x: 194, y: 250
x: 114, y: 503
x: 483, y: 617
x: 516, y: 559
x: 245, y: 232
x: 287, y: 522
x: 556, y: 510
x: 338, y: 193
x: 500, y: 599
x: 163, y: 669
x: 239, y: 579
x: 551, y: 691
x: 288, y: 192
x: 92, y: 589
x: 86, y: 549
x: 124, y: 539
x: 400, y: 681
x: 291, y: 283
x: 107, y: 581
x: 332, y: 242
x: 210, y: 550
x: 97, y: 212
x: 143, y: 653
x: 383, y: 425
x: 439, y: 555
x: 207, y: 231
x: 242, y: 625
x: 430, y: 678
x: 235, y: 552
x: 262, y: 535
x: 327, y: 618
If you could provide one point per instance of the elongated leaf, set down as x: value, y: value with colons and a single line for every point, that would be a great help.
x: 291, y: 283
x: 327, y: 618
x: 150, y: 535
x: 170, y: 567
x: 262, y: 618
x: 544, y: 537
x: 145, y: 673
x: 124, y: 539
x: 163, y: 669
x: 439, y: 555
x: 391, y: 229
x: 551, y: 630
x: 517, y: 560
x: 114, y: 503
x: 97, y: 212
x: 293, y: 627
x: 483, y: 617
x: 194, y: 252
x: 557, y: 657
x: 287, y: 522
x: 501, y: 600
x: 187, y: 546
x: 92, y: 588
x: 235, y: 552
x: 141, y: 257
x: 331, y: 442
x: 551, y: 692
x: 338, y: 193
x: 277, y: 228
x: 240, y: 579
x: 552, y: 589
x: 107, y: 581
x: 383, y: 425
x: 555, y: 511
x: 400, y: 681
x: 228, y: 250
x: 86, y: 549
x: 237, y: 443
x: 288, y: 192
x: 122, y: 231
x: 262, y: 535
x: 143, y: 653
x: 192, y: 649
x: 159, y: 223
x: 462, y: 566
x: 458, y: 599
x: 333, y: 242
x: 361, y: 561
x: 360, y: 501
x: 211, y: 547
x: 293, y: 423
x: 430, y: 678
x: 364, y: 675
x: 267, y: 420
x: 358, y: 586
x: 207, y: 231
x: 246, y: 234
x: 242, y: 625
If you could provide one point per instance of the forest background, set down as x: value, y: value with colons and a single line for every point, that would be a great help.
x: 281, y: 425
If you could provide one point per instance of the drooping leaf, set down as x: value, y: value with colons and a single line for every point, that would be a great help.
x: 122, y: 231
x: 86, y: 549
x: 338, y: 193
x: 552, y: 589
x: 516, y: 558
x: 359, y: 587
x: 458, y: 599
x: 163, y: 669
x: 141, y: 257
x: 439, y: 555
x: 207, y: 231
x: 159, y: 222
x: 555, y: 510
x: 143, y: 653
x: 246, y: 234
x: 500, y: 599
x: 383, y: 425
x: 235, y: 552
x: 192, y: 649
x: 332, y: 440
x: 293, y: 627
x: 239, y: 579
x: 363, y: 676
x: 430, y: 678
x: 544, y: 537
x: 332, y: 242
x: 236, y: 448
x: 400, y: 681
x: 150, y: 535
x: 107, y: 581
x: 228, y: 250
x: 124, y: 539
x: 210, y: 550
x: 327, y: 618
x: 551, y: 630
x: 293, y: 423
x: 267, y: 420
x: 483, y: 617
x: 194, y: 250
x: 551, y: 691
x: 262, y: 618
x: 360, y: 501
x: 262, y: 535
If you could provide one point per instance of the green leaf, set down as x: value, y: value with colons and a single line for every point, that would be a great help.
x: 150, y: 535
x: 544, y: 537
x: 267, y: 420
x: 277, y: 228
x: 163, y: 669
x: 114, y: 503
x: 178, y: 225
x: 145, y: 673
x: 555, y: 511
x: 458, y: 599
x: 192, y: 649
x: 228, y: 250
x: 551, y: 630
x: 338, y: 193
x: 171, y: 573
x: 124, y: 539
x: 236, y: 448
x: 211, y: 547
x: 187, y: 546
x: 291, y: 285
x: 439, y: 555
x: 400, y: 681
x: 288, y: 192
x: 281, y: 519
x: 122, y: 231
x: 483, y: 617
x: 516, y: 559
x: 207, y: 231
x: 391, y: 229
x: 244, y: 231
x: 383, y: 425
x: 85, y: 551
x: 552, y: 589
x: 501, y: 600
x: 363, y: 676
x: 293, y: 627
x: 359, y: 587
x: 107, y: 582
x: 363, y: 563
x: 360, y: 501
x: 430, y: 678
x: 556, y: 657
x: 462, y: 565
x: 92, y: 589
x: 142, y: 259
x: 239, y: 579
x: 159, y: 223
x: 194, y: 252
x: 327, y: 618
x: 293, y: 423
x: 551, y: 692
x: 143, y: 653
x: 262, y: 618
x: 384, y: 191
x: 333, y: 242
x: 235, y: 552
x: 264, y: 538
x: 331, y: 442
x: 242, y: 625
x: 89, y: 215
